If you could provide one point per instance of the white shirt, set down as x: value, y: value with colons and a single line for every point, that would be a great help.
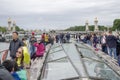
x: 103, y: 40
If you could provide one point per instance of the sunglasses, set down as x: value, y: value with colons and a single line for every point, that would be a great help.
x: 19, y: 52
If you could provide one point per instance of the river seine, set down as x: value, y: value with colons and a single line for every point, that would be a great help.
x: 4, y: 46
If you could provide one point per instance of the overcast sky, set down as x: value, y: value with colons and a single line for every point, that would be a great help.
x: 58, y: 14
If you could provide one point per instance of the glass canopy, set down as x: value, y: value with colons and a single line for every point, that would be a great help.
x: 75, y: 62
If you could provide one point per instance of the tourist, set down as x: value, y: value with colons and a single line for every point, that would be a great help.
x: 23, y: 60
x: 111, y: 44
x: 62, y: 38
x: 40, y: 49
x: 4, y: 74
x: 22, y: 73
x: 103, y: 43
x: 89, y: 42
x: 57, y: 37
x: 46, y: 38
x: 8, y: 64
x: 25, y: 42
x: 51, y: 39
x: 43, y: 38
x: 32, y: 41
x: 14, y: 45
x: 68, y: 37
x: 95, y: 40
x: 26, y: 54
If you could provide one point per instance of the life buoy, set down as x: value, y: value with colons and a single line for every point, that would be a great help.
x: 4, y: 56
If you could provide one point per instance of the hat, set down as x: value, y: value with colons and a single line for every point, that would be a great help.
x: 33, y: 33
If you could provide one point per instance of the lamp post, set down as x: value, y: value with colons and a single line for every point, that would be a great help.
x: 14, y: 25
x: 96, y: 25
x: 9, y: 24
x: 86, y: 29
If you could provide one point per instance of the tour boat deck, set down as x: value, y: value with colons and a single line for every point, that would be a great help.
x: 74, y: 61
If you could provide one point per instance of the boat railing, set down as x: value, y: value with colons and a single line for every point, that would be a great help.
x: 3, y: 55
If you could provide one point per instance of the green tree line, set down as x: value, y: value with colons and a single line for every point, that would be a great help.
x: 116, y: 26
x: 4, y: 29
x: 82, y: 28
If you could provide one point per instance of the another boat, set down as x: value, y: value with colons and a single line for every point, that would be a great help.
x: 8, y: 37
x: 2, y: 39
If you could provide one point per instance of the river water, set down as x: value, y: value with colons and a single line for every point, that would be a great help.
x: 3, y: 46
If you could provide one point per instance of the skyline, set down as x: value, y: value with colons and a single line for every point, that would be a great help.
x: 55, y: 14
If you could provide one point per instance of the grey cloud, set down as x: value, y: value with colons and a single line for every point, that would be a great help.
x: 65, y: 16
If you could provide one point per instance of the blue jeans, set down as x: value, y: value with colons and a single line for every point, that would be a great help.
x: 110, y: 50
x: 32, y: 50
x: 104, y: 48
x: 89, y: 42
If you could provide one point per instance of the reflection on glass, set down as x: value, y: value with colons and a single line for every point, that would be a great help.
x: 56, y: 55
x: 100, y: 70
x: 81, y: 46
x: 58, y: 71
x: 88, y: 53
x: 56, y: 49
x: 65, y: 62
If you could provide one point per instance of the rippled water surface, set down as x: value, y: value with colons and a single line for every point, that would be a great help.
x: 4, y: 46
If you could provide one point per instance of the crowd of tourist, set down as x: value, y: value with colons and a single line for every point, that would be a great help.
x: 17, y: 68
x: 107, y: 42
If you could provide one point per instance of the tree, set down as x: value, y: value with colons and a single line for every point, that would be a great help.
x: 102, y: 28
x: 116, y: 24
x: 91, y: 28
x: 17, y: 28
x: 76, y: 28
x: 82, y: 28
x: 3, y: 29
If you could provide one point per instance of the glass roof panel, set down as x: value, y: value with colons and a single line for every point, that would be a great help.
x: 88, y: 53
x: 100, y: 70
x: 58, y: 71
x: 81, y: 45
x: 55, y: 49
x: 55, y: 45
x: 61, y: 60
x: 64, y: 62
x: 75, y: 58
x: 56, y: 55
